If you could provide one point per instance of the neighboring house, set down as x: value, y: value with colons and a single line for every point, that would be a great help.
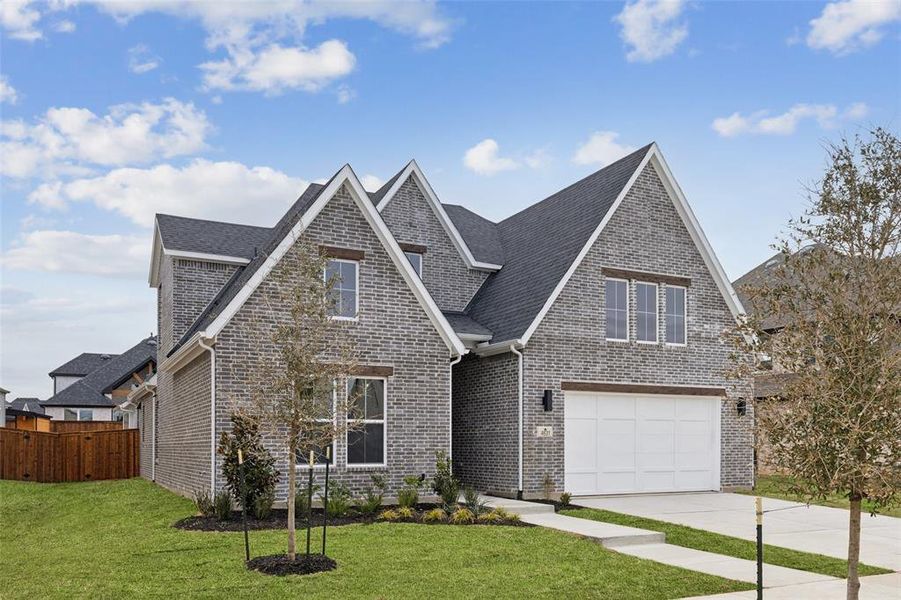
x: 576, y: 345
x: 25, y: 413
x: 3, y: 394
x: 91, y: 386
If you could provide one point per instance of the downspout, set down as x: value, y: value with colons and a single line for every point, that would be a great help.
x: 153, y: 442
x: 519, y: 483
x: 212, y: 351
x: 450, y: 406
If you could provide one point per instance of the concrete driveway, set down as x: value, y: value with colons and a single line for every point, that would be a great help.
x: 816, y: 529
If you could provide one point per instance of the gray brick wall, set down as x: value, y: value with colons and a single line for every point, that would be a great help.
x: 164, y: 308
x: 485, y: 422
x: 411, y: 219
x: 145, y: 426
x: 646, y: 234
x: 183, y: 427
x: 392, y: 330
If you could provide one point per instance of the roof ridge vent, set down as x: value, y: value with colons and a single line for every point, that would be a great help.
x: 105, y: 356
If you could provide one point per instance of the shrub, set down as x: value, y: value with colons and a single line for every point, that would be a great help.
x: 472, y: 501
x: 222, y: 505
x: 300, y: 500
x: 492, y: 516
x: 406, y: 513
x: 372, y: 501
x: 445, y: 484
x: 339, y: 500
x: 262, y: 505
x: 389, y: 515
x: 204, y: 503
x: 260, y: 474
x: 436, y: 515
x: 408, y: 496
x: 505, y: 515
x: 462, y: 516
x: 565, y: 499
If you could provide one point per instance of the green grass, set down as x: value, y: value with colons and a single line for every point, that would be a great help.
x: 778, y: 486
x: 699, y: 539
x: 115, y: 540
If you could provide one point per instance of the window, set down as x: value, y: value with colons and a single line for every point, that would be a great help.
x: 70, y: 415
x: 85, y: 414
x: 646, y: 312
x: 118, y: 415
x: 415, y: 259
x: 616, y: 298
x: 366, y: 421
x: 345, y: 290
x: 675, y: 315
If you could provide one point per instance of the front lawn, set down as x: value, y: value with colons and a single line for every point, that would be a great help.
x: 114, y: 539
x: 699, y: 539
x: 778, y: 486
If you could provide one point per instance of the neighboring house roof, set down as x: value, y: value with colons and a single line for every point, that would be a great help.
x: 90, y: 390
x: 464, y: 325
x: 31, y: 405
x: 480, y: 234
x: 541, y: 242
x: 4, y: 390
x: 762, y: 274
x: 211, y: 237
x: 82, y: 364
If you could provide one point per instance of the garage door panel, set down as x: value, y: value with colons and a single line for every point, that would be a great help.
x: 630, y: 443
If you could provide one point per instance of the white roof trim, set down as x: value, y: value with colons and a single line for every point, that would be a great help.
x: 158, y: 250
x: 413, y: 169
x: 153, y: 278
x: 205, y: 256
x: 345, y: 175
x: 688, y: 218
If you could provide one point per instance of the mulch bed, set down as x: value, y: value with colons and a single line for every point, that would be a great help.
x: 279, y: 564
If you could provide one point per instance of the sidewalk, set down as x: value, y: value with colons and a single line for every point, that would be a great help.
x: 874, y: 587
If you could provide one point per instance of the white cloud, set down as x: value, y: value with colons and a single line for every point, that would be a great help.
x: 850, y: 25
x: 72, y: 252
x: 8, y: 93
x: 64, y: 26
x: 277, y: 68
x: 537, y: 159
x: 601, y: 149
x: 202, y: 189
x: 483, y: 159
x: 67, y: 140
x: 371, y: 182
x: 20, y: 18
x: 651, y: 29
x: 141, y: 60
x: 345, y: 94
x: 786, y: 123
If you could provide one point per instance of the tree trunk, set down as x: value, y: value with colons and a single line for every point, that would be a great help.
x: 854, y: 547
x: 292, y: 479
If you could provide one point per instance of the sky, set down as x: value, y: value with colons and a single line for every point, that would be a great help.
x: 114, y: 111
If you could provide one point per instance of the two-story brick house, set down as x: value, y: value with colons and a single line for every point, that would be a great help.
x: 574, y: 346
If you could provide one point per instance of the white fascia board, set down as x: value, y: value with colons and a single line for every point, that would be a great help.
x: 153, y: 278
x: 498, y: 347
x: 345, y: 175
x: 190, y: 350
x: 655, y: 158
x: 412, y: 169
x: 207, y: 257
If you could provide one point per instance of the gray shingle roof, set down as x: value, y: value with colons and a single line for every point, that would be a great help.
x: 82, y: 364
x: 90, y: 390
x: 480, y: 234
x: 377, y: 195
x: 32, y: 405
x: 463, y: 323
x: 540, y: 243
x: 240, y: 276
x: 211, y: 237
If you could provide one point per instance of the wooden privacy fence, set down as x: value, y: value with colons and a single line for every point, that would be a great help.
x: 73, y: 426
x: 77, y: 456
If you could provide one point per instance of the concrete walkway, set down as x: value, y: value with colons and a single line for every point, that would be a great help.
x: 817, y: 529
x: 651, y: 545
x: 875, y: 587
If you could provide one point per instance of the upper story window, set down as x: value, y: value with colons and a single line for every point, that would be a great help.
x: 616, y: 299
x: 646, y: 312
x: 346, y: 290
x: 415, y: 259
x: 674, y: 314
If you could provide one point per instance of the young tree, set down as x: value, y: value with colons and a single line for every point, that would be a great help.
x: 837, y: 300
x: 298, y: 391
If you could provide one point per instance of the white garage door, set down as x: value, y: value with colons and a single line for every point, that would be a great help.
x: 618, y: 444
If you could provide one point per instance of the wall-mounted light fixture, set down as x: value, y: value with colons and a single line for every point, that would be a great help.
x: 548, y: 400
x: 742, y: 406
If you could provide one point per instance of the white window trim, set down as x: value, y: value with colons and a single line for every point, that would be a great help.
x: 684, y: 316
x: 421, y: 261
x: 624, y: 340
x: 298, y: 466
x: 383, y: 421
x: 356, y: 316
x: 657, y: 312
